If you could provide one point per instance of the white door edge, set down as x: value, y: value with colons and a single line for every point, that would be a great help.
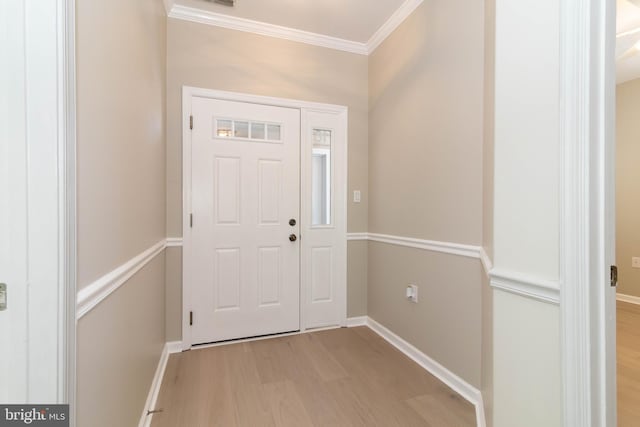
x: 587, y: 303
x: 50, y: 78
x: 188, y: 93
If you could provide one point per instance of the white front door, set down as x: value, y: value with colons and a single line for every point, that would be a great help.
x: 241, y: 248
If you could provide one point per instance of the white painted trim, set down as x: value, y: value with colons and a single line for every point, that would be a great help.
x: 631, y: 299
x: 174, y: 347
x: 628, y: 33
x: 428, y: 245
x: 357, y: 236
x: 262, y: 28
x: 527, y: 286
x: 457, y: 384
x: 356, y: 321
x: 392, y: 24
x: 587, y: 211
x: 487, y: 264
x: 67, y: 197
x: 174, y: 242
x: 156, y: 383
x: 90, y: 296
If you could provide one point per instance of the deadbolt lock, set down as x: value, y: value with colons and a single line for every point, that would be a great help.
x: 292, y: 222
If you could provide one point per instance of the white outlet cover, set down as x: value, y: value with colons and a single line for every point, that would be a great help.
x: 635, y: 262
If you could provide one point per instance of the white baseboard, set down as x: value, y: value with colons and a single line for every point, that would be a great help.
x: 457, y: 384
x: 628, y: 298
x: 154, y: 391
x: 356, y: 321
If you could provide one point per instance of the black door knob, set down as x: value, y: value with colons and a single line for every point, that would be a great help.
x: 293, y: 237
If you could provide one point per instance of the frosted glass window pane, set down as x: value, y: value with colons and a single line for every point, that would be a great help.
x: 321, y: 178
x: 257, y: 130
x: 321, y: 138
x: 273, y: 132
x: 241, y: 129
x: 224, y: 128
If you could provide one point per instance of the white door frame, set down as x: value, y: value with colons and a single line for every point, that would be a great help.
x: 46, y: 65
x: 188, y: 93
x: 587, y: 302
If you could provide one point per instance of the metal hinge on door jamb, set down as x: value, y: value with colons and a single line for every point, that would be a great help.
x: 191, y: 318
x: 191, y: 122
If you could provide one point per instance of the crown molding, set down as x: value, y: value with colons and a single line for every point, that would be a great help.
x: 392, y: 23
x: 206, y: 17
x: 262, y: 28
x: 168, y: 5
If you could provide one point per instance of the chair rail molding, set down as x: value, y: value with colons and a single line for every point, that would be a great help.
x: 90, y: 296
x: 459, y: 249
x: 526, y: 285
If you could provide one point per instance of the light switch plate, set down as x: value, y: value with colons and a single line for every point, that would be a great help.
x: 3, y: 296
x: 356, y: 196
x: 412, y: 293
x: 635, y: 262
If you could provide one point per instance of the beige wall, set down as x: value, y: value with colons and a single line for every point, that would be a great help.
x: 216, y: 58
x: 425, y: 180
x: 627, y: 179
x: 121, y: 148
x: 445, y: 324
x: 425, y: 134
x: 121, y: 63
x: 119, y: 344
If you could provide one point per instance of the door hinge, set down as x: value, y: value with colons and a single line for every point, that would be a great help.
x: 614, y: 276
x: 191, y: 220
x: 191, y: 318
x: 191, y: 122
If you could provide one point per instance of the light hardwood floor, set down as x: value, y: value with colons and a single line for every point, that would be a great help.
x: 628, y: 348
x: 339, y: 377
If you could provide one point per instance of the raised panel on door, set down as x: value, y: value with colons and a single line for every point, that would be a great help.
x: 243, y: 270
x: 227, y: 192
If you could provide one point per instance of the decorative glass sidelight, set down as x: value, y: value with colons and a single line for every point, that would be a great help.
x: 321, y: 179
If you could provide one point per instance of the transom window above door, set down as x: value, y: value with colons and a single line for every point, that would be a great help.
x: 247, y: 130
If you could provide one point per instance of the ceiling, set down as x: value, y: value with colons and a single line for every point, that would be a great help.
x: 353, y: 20
x: 627, y: 57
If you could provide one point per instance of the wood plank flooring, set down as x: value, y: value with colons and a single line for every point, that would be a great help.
x: 628, y: 348
x: 339, y: 377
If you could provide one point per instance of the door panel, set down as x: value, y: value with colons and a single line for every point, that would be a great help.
x: 245, y: 186
x: 324, y: 222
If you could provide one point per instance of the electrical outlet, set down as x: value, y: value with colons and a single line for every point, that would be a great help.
x: 356, y: 196
x: 635, y: 262
x: 412, y: 293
